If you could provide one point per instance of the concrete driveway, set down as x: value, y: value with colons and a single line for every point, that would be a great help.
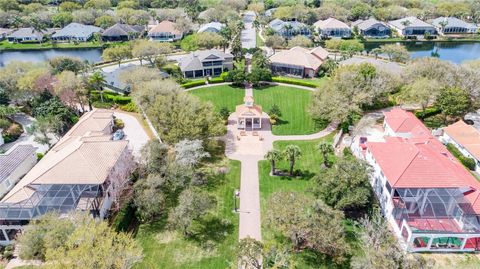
x: 134, y: 133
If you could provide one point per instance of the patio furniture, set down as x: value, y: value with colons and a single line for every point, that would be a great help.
x: 260, y: 138
x: 255, y: 133
x: 238, y: 138
x: 243, y: 133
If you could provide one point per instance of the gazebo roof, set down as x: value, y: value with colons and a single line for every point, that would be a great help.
x: 248, y: 111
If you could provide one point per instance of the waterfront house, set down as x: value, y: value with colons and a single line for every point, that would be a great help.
x: 14, y: 164
x: 27, y: 35
x: 289, y: 29
x: 165, y: 31
x: 412, y: 27
x: 298, y: 61
x: 114, y: 83
x: 85, y: 171
x: 332, y: 28
x: 452, y: 25
x: 205, y: 63
x: 430, y: 200
x: 465, y: 138
x: 76, y: 32
x: 372, y: 28
x: 211, y: 27
x: 122, y: 32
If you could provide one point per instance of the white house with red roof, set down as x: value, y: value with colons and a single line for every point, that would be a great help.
x: 428, y: 197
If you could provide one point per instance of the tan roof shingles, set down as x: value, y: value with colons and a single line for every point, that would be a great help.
x: 165, y: 27
x: 465, y: 135
x: 298, y: 56
x: 82, y: 159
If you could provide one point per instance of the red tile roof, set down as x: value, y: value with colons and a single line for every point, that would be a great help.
x: 422, y: 161
x: 401, y: 121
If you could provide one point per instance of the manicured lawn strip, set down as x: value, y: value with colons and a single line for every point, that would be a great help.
x: 167, y: 250
x: 5, y: 45
x: 293, y: 103
x: 259, y: 41
x: 221, y: 96
x: 308, y: 164
x: 314, y: 81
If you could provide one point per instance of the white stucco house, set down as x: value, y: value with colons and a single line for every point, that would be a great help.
x: 431, y: 202
x: 465, y: 138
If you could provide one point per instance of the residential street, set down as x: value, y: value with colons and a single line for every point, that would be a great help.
x: 249, y: 37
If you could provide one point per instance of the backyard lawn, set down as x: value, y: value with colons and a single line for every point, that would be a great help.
x: 293, y: 103
x: 309, y: 165
x: 215, y: 248
x: 221, y: 96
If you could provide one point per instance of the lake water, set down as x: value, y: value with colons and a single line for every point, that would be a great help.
x: 91, y: 55
x: 456, y: 52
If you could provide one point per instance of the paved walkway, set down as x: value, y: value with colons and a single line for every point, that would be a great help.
x: 249, y: 150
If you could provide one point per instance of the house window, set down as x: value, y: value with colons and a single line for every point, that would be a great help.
x: 189, y: 74
x: 198, y: 73
x: 389, y: 188
x: 217, y: 71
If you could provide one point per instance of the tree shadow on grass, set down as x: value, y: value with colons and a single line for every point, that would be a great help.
x: 211, y: 229
x: 298, y: 175
x: 281, y: 122
x: 321, y: 124
x: 264, y: 86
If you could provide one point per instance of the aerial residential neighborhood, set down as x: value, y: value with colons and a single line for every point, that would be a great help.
x: 250, y: 134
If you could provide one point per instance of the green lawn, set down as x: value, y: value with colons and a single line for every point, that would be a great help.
x: 5, y: 45
x: 316, y: 81
x: 293, y: 103
x: 309, y: 165
x: 221, y: 96
x: 259, y: 41
x: 169, y: 250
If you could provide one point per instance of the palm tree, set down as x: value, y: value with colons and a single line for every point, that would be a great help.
x: 291, y: 153
x: 96, y: 81
x: 273, y: 156
x: 325, y: 149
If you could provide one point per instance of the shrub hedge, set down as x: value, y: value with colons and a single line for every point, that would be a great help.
x: 430, y: 111
x: 193, y: 84
x: 294, y: 82
x: 216, y: 80
x: 467, y: 162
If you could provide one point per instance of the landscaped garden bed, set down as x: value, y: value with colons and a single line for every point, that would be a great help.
x: 11, y: 130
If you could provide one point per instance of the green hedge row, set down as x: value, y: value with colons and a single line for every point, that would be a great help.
x: 216, y: 80
x: 467, y: 162
x: 431, y: 111
x: 193, y: 84
x: 294, y: 82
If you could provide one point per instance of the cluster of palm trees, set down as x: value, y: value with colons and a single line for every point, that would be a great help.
x: 292, y: 152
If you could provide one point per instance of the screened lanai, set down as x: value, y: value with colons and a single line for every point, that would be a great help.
x: 436, y: 219
x: 60, y: 198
